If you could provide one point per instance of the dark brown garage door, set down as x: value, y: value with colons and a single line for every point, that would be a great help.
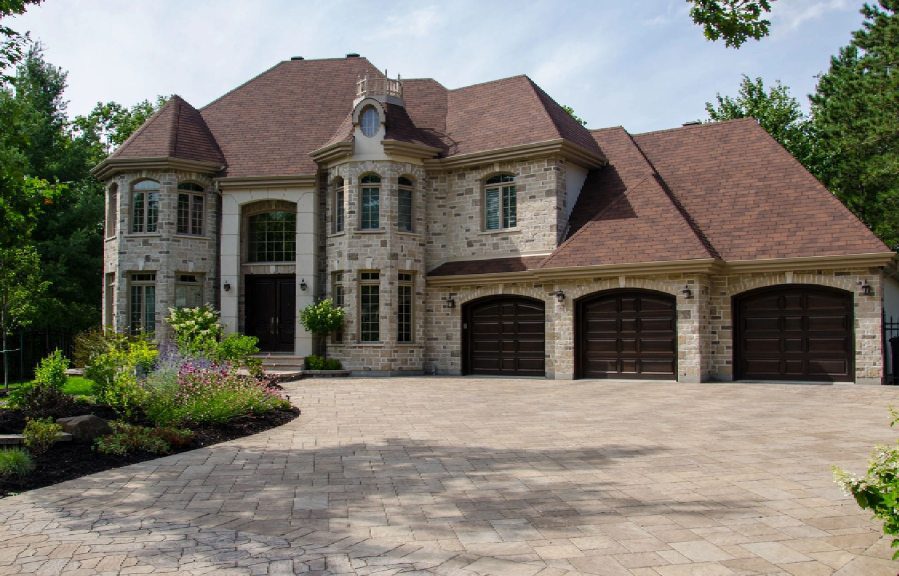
x: 794, y: 333
x: 505, y: 336
x: 627, y: 334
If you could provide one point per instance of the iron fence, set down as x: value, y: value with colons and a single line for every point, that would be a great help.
x: 27, y: 348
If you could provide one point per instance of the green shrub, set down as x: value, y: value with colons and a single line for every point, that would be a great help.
x: 91, y: 343
x: 117, y: 371
x: 125, y: 394
x: 239, y: 350
x: 52, y: 370
x: 197, y: 330
x: 128, y: 439
x: 39, y: 435
x: 15, y: 462
x: 314, y: 362
x: 38, y: 400
x: 322, y: 318
x: 878, y: 491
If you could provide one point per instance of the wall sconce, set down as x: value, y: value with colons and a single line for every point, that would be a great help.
x: 449, y: 303
x: 866, y: 288
x: 687, y: 292
x: 227, y: 286
x: 560, y: 295
x: 303, y: 285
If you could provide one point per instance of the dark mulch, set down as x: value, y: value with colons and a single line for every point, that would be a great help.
x: 68, y: 460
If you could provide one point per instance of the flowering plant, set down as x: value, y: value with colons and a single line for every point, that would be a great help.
x: 322, y: 317
x: 196, y: 329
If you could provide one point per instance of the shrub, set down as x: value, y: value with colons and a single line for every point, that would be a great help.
x: 128, y: 438
x: 116, y: 373
x: 52, y: 370
x: 878, y: 491
x: 124, y: 394
x: 90, y: 344
x: 323, y: 317
x: 314, y: 362
x: 239, y: 350
x: 40, y: 435
x: 197, y: 330
x: 38, y: 400
x: 15, y: 462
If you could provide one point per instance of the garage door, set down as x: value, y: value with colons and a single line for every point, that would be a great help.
x: 505, y: 336
x: 794, y: 333
x: 627, y: 334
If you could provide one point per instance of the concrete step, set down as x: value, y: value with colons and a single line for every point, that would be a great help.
x: 16, y: 439
x: 281, y: 361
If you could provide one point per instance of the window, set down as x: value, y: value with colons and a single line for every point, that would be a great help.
x: 369, y: 121
x: 142, y: 304
x: 371, y: 202
x: 144, y: 206
x: 272, y: 237
x: 190, y: 209
x: 188, y: 291
x: 369, y: 307
x: 112, y: 210
x: 404, y: 205
x: 337, y: 298
x: 404, y: 307
x: 500, y: 203
x: 109, y: 300
x: 337, y: 207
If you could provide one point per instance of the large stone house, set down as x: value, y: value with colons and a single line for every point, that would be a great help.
x: 483, y: 230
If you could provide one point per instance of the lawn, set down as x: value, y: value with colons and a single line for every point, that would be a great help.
x: 78, y: 386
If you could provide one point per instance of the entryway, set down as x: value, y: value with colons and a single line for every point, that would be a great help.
x: 270, y: 311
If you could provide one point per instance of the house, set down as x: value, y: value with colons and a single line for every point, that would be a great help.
x: 483, y: 230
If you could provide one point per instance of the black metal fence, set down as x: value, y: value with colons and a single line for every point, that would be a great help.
x: 890, y: 350
x: 29, y: 347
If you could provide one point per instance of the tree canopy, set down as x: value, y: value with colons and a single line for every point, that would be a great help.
x: 734, y: 21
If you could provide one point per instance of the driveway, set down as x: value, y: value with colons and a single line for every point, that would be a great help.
x: 488, y: 476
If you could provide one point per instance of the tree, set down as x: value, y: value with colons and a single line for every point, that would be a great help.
x: 571, y: 113
x: 855, y: 111
x: 11, y: 42
x: 109, y: 124
x: 734, y: 21
x: 20, y: 285
x: 775, y: 109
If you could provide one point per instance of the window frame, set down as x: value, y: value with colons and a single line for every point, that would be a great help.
x: 405, y: 310
x: 289, y: 240
x: 405, y: 186
x: 369, y: 185
x: 338, y: 206
x: 195, y: 195
x: 112, y: 210
x: 148, y: 210
x: 338, y: 297
x: 189, y: 280
x: 142, y: 283
x: 369, y: 320
x: 365, y: 117
x: 503, y: 185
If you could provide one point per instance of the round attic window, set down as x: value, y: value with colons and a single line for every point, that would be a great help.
x: 369, y: 121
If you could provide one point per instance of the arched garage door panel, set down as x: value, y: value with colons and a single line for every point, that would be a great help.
x: 505, y: 336
x: 627, y: 334
x: 794, y: 333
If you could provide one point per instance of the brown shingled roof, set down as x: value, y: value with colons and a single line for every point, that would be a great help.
x: 750, y: 197
x: 177, y: 130
x: 493, y: 266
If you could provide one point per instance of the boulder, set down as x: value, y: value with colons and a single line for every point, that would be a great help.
x: 85, y: 428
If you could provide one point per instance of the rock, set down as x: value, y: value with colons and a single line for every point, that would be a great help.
x: 85, y: 428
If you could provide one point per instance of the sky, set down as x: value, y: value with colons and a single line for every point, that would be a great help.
x: 641, y: 64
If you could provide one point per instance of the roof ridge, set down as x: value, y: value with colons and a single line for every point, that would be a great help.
x: 694, y: 226
x: 698, y: 126
x: 497, y: 80
x: 176, y: 121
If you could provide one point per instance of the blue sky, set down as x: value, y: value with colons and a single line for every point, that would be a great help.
x: 641, y: 64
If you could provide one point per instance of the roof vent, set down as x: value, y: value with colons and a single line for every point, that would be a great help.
x: 297, y: 58
x: 693, y: 123
x: 352, y: 55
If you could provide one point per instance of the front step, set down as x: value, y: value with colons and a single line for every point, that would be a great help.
x: 281, y: 362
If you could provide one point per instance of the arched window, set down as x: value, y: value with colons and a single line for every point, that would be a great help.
x: 337, y: 208
x: 370, y: 199
x: 112, y: 209
x: 144, y: 206
x: 500, y: 202
x: 369, y: 121
x: 272, y: 237
x: 190, y: 208
x: 404, y: 205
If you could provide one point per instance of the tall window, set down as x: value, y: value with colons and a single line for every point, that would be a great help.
x: 404, y: 307
x: 190, y: 209
x: 369, y: 121
x: 109, y: 300
x: 337, y: 296
x: 112, y: 210
x: 500, y: 203
x: 145, y: 206
x: 337, y: 207
x: 188, y: 290
x: 272, y: 237
x: 404, y: 205
x: 369, y: 307
x: 371, y: 202
x: 142, y: 304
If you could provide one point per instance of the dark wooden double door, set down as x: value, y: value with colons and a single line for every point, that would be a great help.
x: 505, y: 336
x: 626, y: 334
x: 270, y: 311
x: 794, y: 333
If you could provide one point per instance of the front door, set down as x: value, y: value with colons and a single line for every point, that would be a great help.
x: 270, y: 311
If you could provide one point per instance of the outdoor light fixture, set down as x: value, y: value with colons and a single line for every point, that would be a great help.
x: 303, y: 285
x: 866, y: 288
x: 560, y: 295
x: 687, y: 292
x: 449, y: 303
x: 227, y: 286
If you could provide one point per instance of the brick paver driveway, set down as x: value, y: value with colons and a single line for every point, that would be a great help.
x: 488, y: 476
